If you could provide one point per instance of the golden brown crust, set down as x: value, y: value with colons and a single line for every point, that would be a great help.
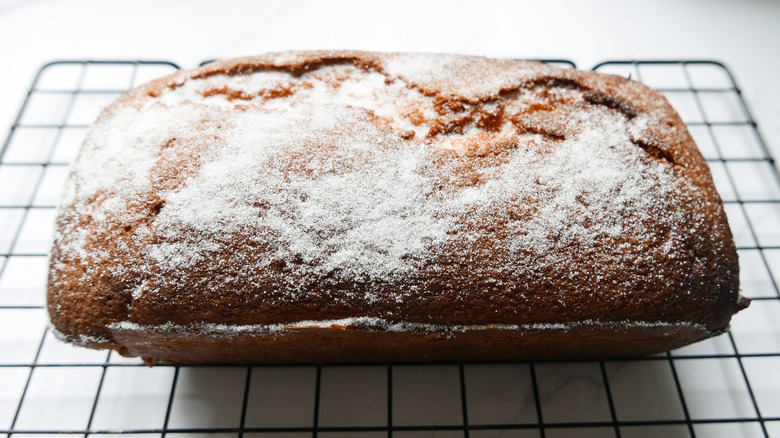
x: 497, y: 224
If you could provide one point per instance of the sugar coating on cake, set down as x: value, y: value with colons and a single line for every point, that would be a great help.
x: 414, y: 190
x: 374, y: 324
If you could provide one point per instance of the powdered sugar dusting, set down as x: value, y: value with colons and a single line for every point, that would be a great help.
x: 588, y: 179
x: 467, y: 76
x: 81, y: 339
x: 367, y: 179
x: 343, y: 85
x: 381, y: 325
x: 363, y: 219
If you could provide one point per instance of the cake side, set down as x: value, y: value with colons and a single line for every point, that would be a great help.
x: 413, y: 189
x: 369, y: 341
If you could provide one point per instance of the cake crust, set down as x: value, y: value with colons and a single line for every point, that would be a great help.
x: 357, y: 207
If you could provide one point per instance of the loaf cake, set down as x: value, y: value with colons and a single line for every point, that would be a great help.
x: 332, y: 207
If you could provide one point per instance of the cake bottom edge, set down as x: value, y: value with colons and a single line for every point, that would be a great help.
x: 351, y: 344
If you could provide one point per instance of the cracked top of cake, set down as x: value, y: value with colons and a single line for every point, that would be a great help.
x: 420, y: 189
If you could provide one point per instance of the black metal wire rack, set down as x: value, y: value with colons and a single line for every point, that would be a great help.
x: 727, y: 386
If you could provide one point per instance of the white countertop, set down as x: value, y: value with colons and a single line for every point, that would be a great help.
x: 742, y: 34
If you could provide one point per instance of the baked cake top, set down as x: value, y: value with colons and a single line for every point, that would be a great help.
x: 407, y: 188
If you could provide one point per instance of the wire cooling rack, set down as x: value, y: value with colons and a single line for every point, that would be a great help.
x: 724, y: 387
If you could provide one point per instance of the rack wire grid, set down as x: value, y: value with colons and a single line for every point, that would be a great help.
x: 723, y: 387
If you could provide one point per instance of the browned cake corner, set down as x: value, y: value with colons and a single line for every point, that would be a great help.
x: 353, y: 207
